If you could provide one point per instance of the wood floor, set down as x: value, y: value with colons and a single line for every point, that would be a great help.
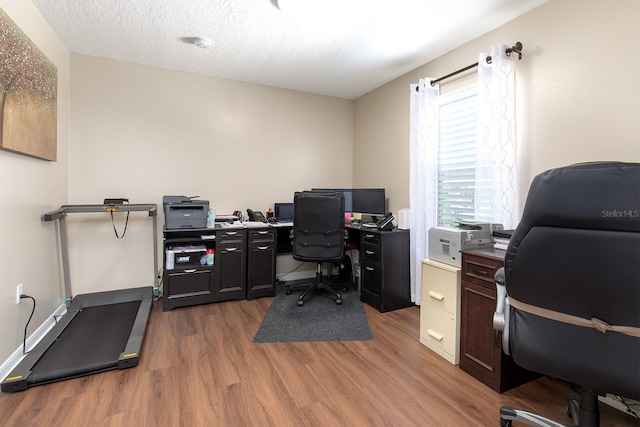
x: 200, y: 367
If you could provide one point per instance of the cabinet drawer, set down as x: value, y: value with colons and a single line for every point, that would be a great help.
x: 370, y: 252
x: 262, y: 236
x: 232, y: 246
x: 230, y: 236
x: 441, y: 285
x: 369, y: 238
x: 480, y: 270
x: 438, y: 329
x: 189, y: 282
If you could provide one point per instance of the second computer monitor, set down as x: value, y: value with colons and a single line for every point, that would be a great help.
x: 369, y: 201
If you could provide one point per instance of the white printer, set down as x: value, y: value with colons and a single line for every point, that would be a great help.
x: 445, y: 243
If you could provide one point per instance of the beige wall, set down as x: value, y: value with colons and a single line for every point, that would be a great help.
x: 29, y: 187
x: 142, y: 132
x: 578, y: 94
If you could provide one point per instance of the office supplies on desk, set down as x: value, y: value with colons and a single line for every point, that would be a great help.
x: 386, y: 222
x: 256, y: 216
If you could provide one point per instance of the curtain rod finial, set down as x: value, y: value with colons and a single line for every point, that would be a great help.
x: 517, y: 48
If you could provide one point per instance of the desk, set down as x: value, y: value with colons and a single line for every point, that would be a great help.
x: 245, y: 256
x: 481, y: 352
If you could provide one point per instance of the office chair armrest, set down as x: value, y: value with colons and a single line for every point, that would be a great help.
x: 501, y: 315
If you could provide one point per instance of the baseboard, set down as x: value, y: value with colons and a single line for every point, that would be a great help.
x: 34, y: 338
x: 615, y: 402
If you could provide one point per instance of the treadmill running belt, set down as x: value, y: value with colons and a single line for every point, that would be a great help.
x: 92, y: 342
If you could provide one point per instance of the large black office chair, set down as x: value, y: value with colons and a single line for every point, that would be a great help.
x: 318, y: 236
x: 569, y: 293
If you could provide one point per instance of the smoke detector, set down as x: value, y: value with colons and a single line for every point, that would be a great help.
x: 202, y: 42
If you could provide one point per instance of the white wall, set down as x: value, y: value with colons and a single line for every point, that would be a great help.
x: 29, y: 187
x: 142, y: 132
x: 578, y: 94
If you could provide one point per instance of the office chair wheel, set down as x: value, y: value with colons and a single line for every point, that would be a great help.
x: 505, y: 423
x: 300, y: 303
x: 338, y: 301
x: 288, y: 291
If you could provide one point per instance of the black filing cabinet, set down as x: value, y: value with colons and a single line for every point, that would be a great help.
x: 384, y: 269
x: 261, y: 258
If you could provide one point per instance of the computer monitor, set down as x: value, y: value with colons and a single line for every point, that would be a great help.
x: 348, y: 197
x: 369, y: 201
x: 283, y: 211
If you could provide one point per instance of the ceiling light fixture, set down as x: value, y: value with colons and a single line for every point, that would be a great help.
x: 202, y: 42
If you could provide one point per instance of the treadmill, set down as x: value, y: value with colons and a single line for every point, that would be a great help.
x: 100, y: 331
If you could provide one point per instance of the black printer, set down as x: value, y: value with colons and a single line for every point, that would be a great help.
x: 184, y: 212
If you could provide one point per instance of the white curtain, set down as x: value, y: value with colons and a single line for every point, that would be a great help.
x: 496, y: 174
x: 423, y: 185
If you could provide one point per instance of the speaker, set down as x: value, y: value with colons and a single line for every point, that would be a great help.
x: 403, y: 219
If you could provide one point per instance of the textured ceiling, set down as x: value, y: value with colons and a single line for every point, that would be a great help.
x: 343, y: 48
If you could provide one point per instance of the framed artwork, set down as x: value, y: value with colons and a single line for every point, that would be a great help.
x: 28, y: 99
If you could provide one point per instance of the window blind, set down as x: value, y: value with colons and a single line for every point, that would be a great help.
x: 457, y: 156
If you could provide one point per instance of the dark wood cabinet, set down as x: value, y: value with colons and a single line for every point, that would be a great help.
x: 186, y: 281
x: 481, y: 352
x: 231, y: 263
x: 261, y: 259
x: 384, y: 269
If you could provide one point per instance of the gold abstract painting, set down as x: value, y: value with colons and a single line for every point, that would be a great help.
x: 28, y: 100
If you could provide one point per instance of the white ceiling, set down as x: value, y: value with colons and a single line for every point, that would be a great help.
x: 343, y: 48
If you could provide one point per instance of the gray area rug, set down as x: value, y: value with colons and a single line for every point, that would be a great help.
x: 319, y: 319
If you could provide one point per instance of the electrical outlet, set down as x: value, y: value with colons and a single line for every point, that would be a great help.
x: 19, y: 292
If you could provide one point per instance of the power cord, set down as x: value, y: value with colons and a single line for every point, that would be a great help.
x: 24, y: 341
x: 125, y: 226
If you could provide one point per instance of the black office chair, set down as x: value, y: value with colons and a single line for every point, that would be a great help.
x: 568, y: 299
x: 318, y: 236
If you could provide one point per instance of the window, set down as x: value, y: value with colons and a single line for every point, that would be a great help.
x: 457, y: 156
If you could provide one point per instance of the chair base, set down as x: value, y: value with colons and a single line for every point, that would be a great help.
x: 318, y: 286
x: 585, y: 413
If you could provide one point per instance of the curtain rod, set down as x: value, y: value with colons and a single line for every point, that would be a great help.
x: 517, y: 48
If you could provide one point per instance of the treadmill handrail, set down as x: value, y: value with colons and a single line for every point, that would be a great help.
x: 152, y: 208
x: 60, y: 215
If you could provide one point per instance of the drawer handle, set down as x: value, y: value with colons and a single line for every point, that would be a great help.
x: 436, y: 295
x: 368, y: 235
x: 369, y: 268
x: 231, y: 249
x: 262, y: 248
x: 480, y: 272
x: 369, y: 252
x: 231, y: 233
x: 262, y: 232
x: 435, y: 335
x: 191, y: 270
